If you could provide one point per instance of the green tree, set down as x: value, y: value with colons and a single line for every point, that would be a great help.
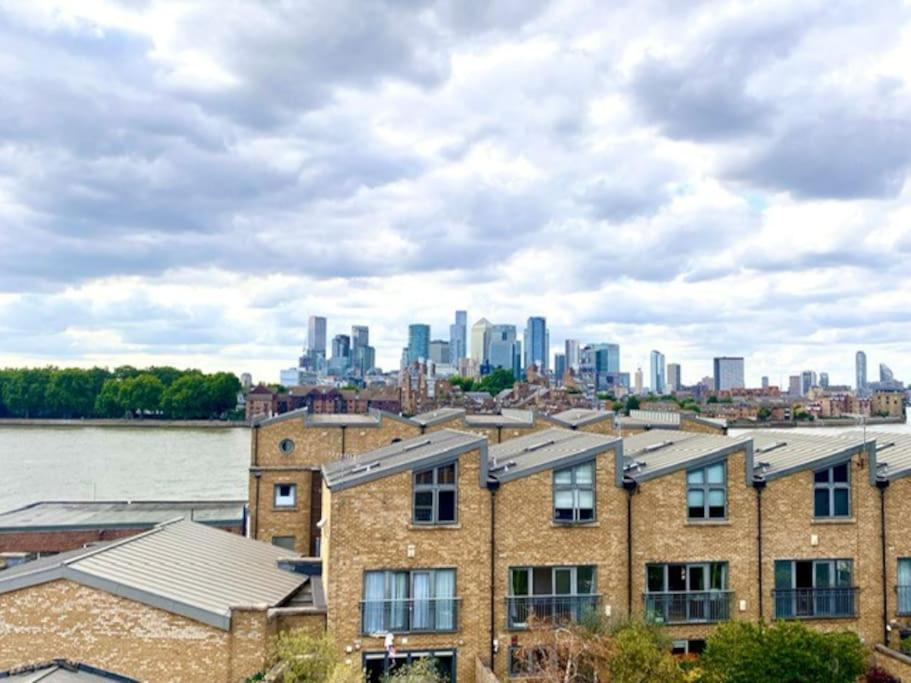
x: 125, y: 372
x: 24, y: 392
x: 497, y: 381
x: 109, y: 402
x: 422, y: 670
x: 222, y: 389
x: 764, y: 413
x: 712, y: 399
x: 142, y: 393
x: 70, y: 393
x: 789, y: 652
x: 463, y: 383
x: 188, y: 398
x: 306, y: 658
x: 166, y: 373
x: 642, y: 653
x: 632, y: 403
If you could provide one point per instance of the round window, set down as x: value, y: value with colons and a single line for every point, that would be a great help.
x: 287, y: 445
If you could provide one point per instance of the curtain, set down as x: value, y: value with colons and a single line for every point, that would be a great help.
x: 398, y: 596
x: 420, y: 594
x: 904, y: 586
x: 374, y: 605
x: 445, y: 600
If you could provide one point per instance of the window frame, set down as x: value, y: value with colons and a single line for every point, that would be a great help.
x: 833, y: 564
x: 903, y: 590
x: 389, y: 575
x: 575, y: 488
x: 275, y: 495
x: 831, y: 486
x: 435, y: 488
x: 707, y: 567
x: 705, y: 487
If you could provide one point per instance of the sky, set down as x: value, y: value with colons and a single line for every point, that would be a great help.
x: 186, y: 183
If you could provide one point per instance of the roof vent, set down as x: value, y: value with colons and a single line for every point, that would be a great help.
x: 538, y: 446
x: 504, y: 467
x: 656, y: 446
x: 884, y: 446
x: 633, y: 465
x: 419, y: 444
x: 771, y: 447
x: 761, y: 466
x: 365, y: 468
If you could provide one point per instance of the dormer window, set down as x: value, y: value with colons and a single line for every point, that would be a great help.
x: 574, y: 493
x: 435, y: 495
x: 832, y: 491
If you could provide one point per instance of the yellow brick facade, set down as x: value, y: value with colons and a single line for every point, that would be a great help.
x: 898, y: 543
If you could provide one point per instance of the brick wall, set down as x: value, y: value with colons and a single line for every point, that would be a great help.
x: 895, y: 663
x: 898, y: 540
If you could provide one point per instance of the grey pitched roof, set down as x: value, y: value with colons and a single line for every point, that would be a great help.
x: 61, y: 671
x: 779, y: 453
x: 137, y: 514
x: 578, y: 417
x: 419, y: 451
x: 436, y: 416
x: 656, y: 419
x: 183, y: 567
x: 507, y: 418
x: 893, y: 454
x: 656, y: 453
x: 545, y: 450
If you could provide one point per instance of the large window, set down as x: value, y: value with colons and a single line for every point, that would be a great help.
x: 416, y: 600
x: 574, y: 493
x: 379, y: 665
x: 814, y: 588
x: 904, y: 585
x: 684, y: 593
x: 832, y: 491
x: 435, y: 495
x: 285, y: 495
x: 550, y: 593
x: 706, y: 494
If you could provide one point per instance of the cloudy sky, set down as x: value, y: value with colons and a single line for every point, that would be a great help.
x: 187, y: 182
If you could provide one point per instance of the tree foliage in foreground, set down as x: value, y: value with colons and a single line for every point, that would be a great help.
x: 306, y: 658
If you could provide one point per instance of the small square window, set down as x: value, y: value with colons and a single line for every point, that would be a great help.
x: 285, y: 495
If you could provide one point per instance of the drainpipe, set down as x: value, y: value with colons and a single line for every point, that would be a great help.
x: 882, y: 484
x: 343, y: 439
x: 630, y: 486
x: 255, y: 529
x: 759, y: 484
x: 493, y: 486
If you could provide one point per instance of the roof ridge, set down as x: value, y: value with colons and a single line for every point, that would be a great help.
x: 129, y: 539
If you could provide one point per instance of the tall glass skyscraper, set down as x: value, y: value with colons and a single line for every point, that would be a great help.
x: 729, y: 373
x: 537, y: 343
x: 458, y: 338
x: 860, y: 371
x: 658, y: 374
x: 418, y: 342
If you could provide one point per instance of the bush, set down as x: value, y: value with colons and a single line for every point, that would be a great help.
x: 311, y: 659
x: 790, y: 652
x: 877, y: 674
x: 419, y: 671
x: 642, y: 654
x: 905, y: 645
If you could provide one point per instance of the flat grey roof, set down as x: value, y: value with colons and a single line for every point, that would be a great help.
x: 372, y: 419
x: 61, y: 671
x: 656, y: 453
x: 665, y: 419
x: 137, y: 514
x: 183, y: 567
x: 506, y: 418
x: 778, y: 453
x: 436, y: 416
x: 577, y: 417
x: 402, y: 456
x: 545, y: 450
x: 893, y: 454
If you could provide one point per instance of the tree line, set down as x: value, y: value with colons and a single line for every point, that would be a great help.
x: 157, y: 392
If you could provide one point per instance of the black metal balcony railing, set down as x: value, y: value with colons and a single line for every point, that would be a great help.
x: 688, y: 607
x: 420, y: 615
x: 904, y: 599
x: 815, y: 603
x: 549, y: 608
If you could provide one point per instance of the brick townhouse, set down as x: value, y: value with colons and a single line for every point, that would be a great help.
x: 893, y: 460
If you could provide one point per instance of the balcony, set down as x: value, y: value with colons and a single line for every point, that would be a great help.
x: 421, y: 615
x: 549, y: 608
x: 815, y: 603
x: 691, y: 607
x: 904, y: 600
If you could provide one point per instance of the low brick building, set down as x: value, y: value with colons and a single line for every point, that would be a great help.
x: 645, y: 420
x: 585, y: 420
x: 182, y: 602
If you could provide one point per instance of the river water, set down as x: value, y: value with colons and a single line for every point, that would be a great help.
x: 121, y: 463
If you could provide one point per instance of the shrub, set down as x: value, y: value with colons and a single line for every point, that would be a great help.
x: 419, y: 671
x: 905, y: 645
x: 877, y: 674
x: 641, y: 653
x: 311, y: 659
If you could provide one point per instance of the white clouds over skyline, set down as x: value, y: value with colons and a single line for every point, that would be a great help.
x: 187, y: 182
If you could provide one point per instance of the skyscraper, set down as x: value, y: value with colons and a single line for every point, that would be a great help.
x: 440, y: 351
x: 360, y: 336
x: 559, y: 366
x: 418, y: 342
x: 638, y: 380
x: 503, y: 348
x: 674, y: 382
x: 794, y: 385
x: 729, y: 373
x: 807, y: 381
x: 316, y: 342
x: 458, y: 339
x: 765, y: 381
x: 341, y: 353
x: 824, y: 380
x: 536, y: 343
x: 658, y: 373
x: 480, y: 340
x: 860, y: 372
x: 573, y: 358
x: 362, y: 354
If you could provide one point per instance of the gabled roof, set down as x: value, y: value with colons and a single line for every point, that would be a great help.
x: 507, y: 418
x: 137, y: 514
x: 545, y: 450
x: 779, y: 453
x: 579, y: 417
x: 420, y: 451
x: 372, y: 419
x: 893, y: 455
x: 656, y: 453
x: 436, y: 416
x: 183, y: 567
x: 61, y: 671
x: 654, y: 419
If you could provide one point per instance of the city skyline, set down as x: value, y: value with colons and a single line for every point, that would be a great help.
x: 693, y: 191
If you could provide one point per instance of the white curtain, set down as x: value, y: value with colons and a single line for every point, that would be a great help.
x: 398, y: 595
x: 445, y: 603
x: 374, y: 605
x: 904, y: 583
x: 420, y: 594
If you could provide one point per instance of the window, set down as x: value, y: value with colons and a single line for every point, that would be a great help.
x: 435, y: 495
x: 416, y: 600
x: 550, y: 593
x: 814, y: 588
x: 904, y: 585
x: 285, y: 495
x: 694, y: 646
x: 574, y: 493
x: 379, y: 665
x: 686, y: 593
x: 706, y: 492
x: 832, y: 491
x: 286, y: 542
x: 286, y: 446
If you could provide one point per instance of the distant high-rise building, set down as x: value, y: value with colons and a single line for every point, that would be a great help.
x: 824, y: 380
x: 674, y: 382
x: 573, y: 354
x: 458, y: 337
x: 807, y: 381
x: 885, y: 373
x: 503, y: 348
x: 440, y: 351
x: 289, y: 377
x: 363, y: 355
x: 559, y: 366
x: 360, y: 336
x: 729, y: 373
x: 765, y: 381
x: 341, y: 353
x: 537, y: 343
x: 246, y: 380
x: 658, y: 373
x: 316, y: 342
x: 599, y: 364
x: 860, y: 372
x: 480, y: 340
x: 638, y: 380
x: 418, y: 342
x: 794, y: 385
